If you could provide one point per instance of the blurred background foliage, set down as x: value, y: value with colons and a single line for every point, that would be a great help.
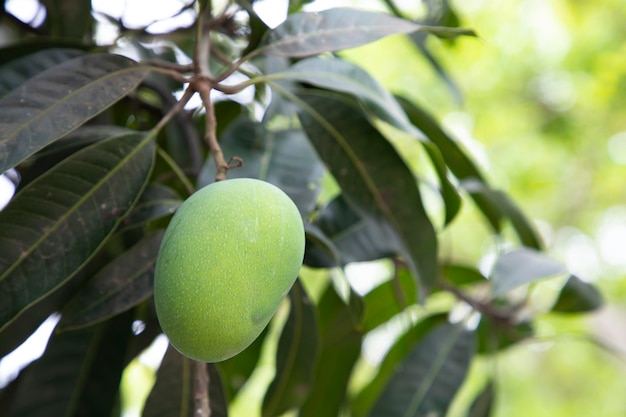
x: 543, y: 110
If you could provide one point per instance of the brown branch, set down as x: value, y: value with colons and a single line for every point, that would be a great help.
x: 201, y: 389
x: 210, y: 135
x: 502, y: 316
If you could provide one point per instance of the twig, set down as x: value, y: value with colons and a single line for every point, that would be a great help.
x: 210, y: 135
x: 201, y: 389
x: 481, y: 307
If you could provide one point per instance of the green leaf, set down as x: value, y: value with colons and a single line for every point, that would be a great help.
x: 304, y: 34
x: 483, y: 403
x: 430, y: 376
x: 172, y: 393
x: 157, y: 201
x: 519, y: 267
x: 78, y: 375
x: 341, y: 347
x: 355, y: 237
x: 366, y: 398
x: 295, y: 358
x: 120, y: 285
x: 578, y: 296
x: 28, y: 46
x: 284, y: 158
x: 388, y: 299
x: 373, y: 177
x: 320, y: 252
x: 70, y: 19
x: 495, y: 335
x: 17, y: 71
x: 52, y: 104
x: 57, y: 222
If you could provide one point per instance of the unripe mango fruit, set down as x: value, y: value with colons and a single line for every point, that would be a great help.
x: 229, y: 256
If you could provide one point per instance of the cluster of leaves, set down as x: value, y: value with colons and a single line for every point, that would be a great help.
x: 105, y: 154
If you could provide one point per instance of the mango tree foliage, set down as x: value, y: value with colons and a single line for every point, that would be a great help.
x: 104, y: 144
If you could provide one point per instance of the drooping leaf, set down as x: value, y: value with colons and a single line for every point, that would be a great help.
x: 52, y: 103
x: 295, y: 358
x: 483, y: 403
x: 428, y: 379
x: 341, y: 346
x: 519, y: 267
x: 16, y: 72
x: 78, y: 374
x: 120, y: 285
x: 173, y: 391
x: 284, y: 158
x: 578, y: 296
x: 305, y: 34
x: 57, y: 222
x: 373, y: 178
x: 367, y: 397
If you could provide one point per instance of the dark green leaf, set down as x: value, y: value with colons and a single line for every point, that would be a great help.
x: 320, y: 252
x: 172, y: 393
x: 341, y: 346
x: 355, y: 237
x: 578, y: 296
x: 30, y: 46
x: 57, y: 222
x: 483, y: 404
x: 400, y: 349
x: 52, y: 104
x: 519, y: 267
x: 284, y: 158
x: 295, y: 358
x: 156, y: 201
x: 16, y: 72
x: 120, y: 285
x: 78, y: 375
x: 304, y: 34
x: 373, y: 177
x: 430, y: 376
x: 463, y: 275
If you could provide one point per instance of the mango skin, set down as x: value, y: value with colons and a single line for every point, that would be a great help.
x: 228, y: 258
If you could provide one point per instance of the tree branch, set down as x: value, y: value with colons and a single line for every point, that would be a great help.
x: 201, y: 389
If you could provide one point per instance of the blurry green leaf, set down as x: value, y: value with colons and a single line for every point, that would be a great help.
x: 16, y: 72
x: 28, y: 46
x: 483, y: 403
x: 428, y: 379
x: 295, y: 358
x: 284, y: 158
x: 463, y: 275
x: 366, y: 398
x: 578, y: 296
x: 120, y: 285
x: 519, y: 267
x: 53, y: 103
x: 388, y: 299
x: 78, y: 375
x: 57, y: 222
x: 341, y: 346
x: 494, y: 334
x: 304, y: 34
x: 373, y: 177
